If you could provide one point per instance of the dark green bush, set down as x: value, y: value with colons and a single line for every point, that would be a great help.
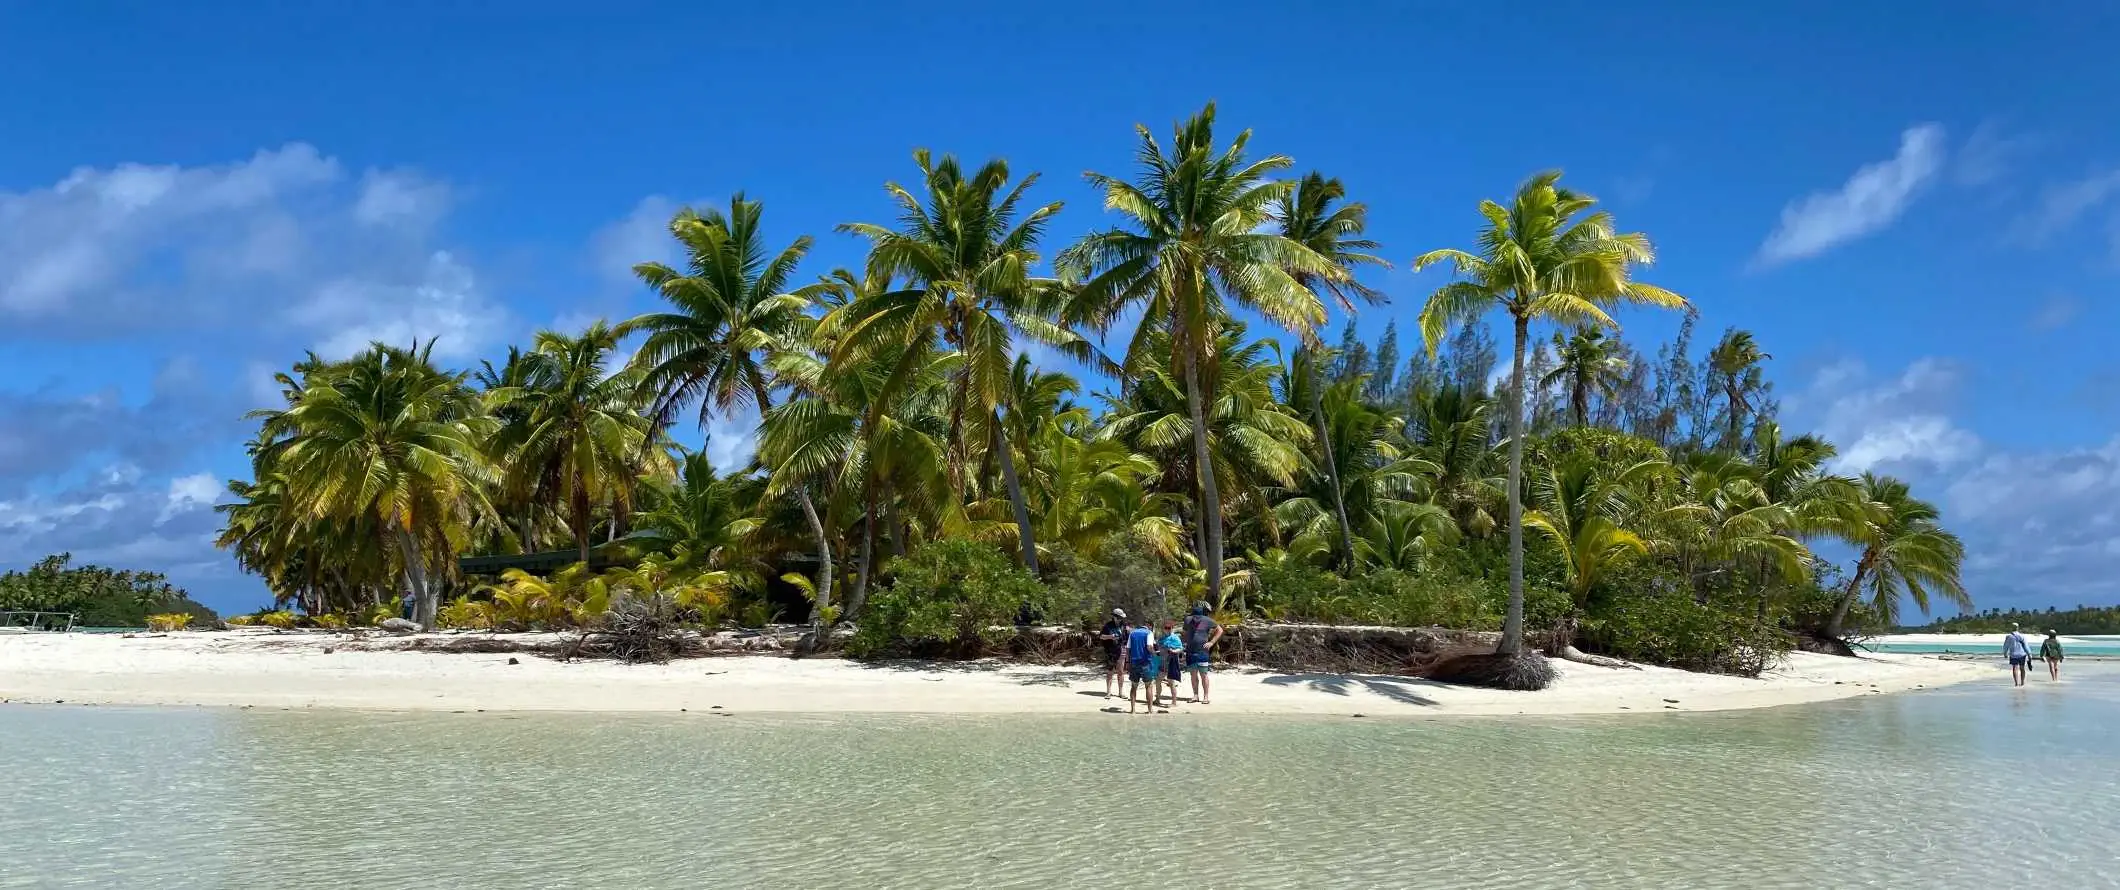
x: 1124, y: 575
x: 1673, y: 630
x: 1296, y: 592
x: 947, y: 599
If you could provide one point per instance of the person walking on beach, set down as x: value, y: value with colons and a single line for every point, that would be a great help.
x: 2019, y: 654
x: 1140, y: 661
x: 1201, y: 634
x: 1113, y: 636
x: 2050, y: 652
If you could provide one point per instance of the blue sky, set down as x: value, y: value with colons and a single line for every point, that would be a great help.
x: 1919, y: 215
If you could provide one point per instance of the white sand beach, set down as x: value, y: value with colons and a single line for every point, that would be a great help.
x: 268, y: 670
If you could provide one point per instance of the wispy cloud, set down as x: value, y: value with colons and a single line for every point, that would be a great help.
x: 2063, y: 204
x: 2057, y: 311
x: 1872, y: 199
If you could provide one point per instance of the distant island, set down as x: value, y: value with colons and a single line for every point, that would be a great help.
x: 2079, y: 620
x: 101, y: 597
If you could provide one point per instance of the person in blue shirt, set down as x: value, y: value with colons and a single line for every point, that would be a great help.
x: 2018, y: 652
x: 1172, y: 649
x: 1140, y: 666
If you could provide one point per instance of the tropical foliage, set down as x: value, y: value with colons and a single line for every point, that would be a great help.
x: 99, y: 596
x: 926, y: 466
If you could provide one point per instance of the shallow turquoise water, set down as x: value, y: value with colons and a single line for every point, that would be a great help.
x: 2096, y: 645
x: 1942, y: 788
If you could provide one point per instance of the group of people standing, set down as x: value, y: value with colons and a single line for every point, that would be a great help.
x: 1146, y: 656
x: 2019, y: 653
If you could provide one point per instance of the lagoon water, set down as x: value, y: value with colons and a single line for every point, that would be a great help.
x: 1970, y: 786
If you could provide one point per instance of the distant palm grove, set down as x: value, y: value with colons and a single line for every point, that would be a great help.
x: 917, y: 476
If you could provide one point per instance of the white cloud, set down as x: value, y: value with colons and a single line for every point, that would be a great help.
x: 1869, y: 201
x: 219, y: 249
x: 2040, y: 526
x: 400, y: 198
x: 188, y: 493
x: 81, y: 237
x: 732, y: 441
x: 1988, y: 154
x: 443, y: 303
x: 2056, y: 312
x: 642, y: 236
x: 2063, y: 204
x: 1883, y: 425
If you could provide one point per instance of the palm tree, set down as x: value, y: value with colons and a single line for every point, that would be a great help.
x: 967, y: 259
x: 387, y: 439
x: 1588, y: 364
x: 574, y: 433
x: 1195, y: 241
x: 1450, y: 431
x: 730, y: 305
x: 1253, y: 442
x: 1546, y: 257
x: 1580, y: 508
x: 1905, y: 551
x: 1735, y: 363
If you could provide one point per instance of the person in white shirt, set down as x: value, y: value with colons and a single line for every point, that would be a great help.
x: 2019, y: 653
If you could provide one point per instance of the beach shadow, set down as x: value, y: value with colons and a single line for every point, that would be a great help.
x: 1022, y: 674
x: 1398, y: 689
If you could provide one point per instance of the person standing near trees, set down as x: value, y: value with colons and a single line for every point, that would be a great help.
x: 1201, y: 634
x: 2050, y: 652
x: 1111, y: 637
x: 1140, y: 666
x: 2019, y: 654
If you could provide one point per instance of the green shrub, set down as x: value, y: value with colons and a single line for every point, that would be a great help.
x: 328, y: 621
x: 1432, y: 599
x: 281, y: 619
x: 1123, y: 575
x: 949, y: 598
x: 1672, y: 629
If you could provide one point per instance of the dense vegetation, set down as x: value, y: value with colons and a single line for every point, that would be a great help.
x: 2079, y: 620
x: 102, y: 597
x: 916, y: 474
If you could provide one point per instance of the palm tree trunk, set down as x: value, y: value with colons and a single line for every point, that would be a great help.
x: 1203, y: 466
x: 1332, y: 467
x: 1015, y: 496
x: 824, y: 557
x: 423, y: 607
x: 1580, y: 400
x: 1513, y: 622
x: 581, y: 522
x: 1847, y: 597
x: 899, y: 529
x: 861, y: 568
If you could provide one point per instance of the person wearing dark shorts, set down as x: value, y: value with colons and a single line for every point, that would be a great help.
x: 1201, y: 634
x: 2019, y: 655
x: 1173, y: 651
x: 1140, y: 663
x: 1113, y: 636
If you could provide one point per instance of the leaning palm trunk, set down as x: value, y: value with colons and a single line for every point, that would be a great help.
x: 1203, y: 466
x: 824, y: 558
x: 1837, y: 624
x: 1513, y: 622
x: 1332, y: 470
x: 1015, y: 497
